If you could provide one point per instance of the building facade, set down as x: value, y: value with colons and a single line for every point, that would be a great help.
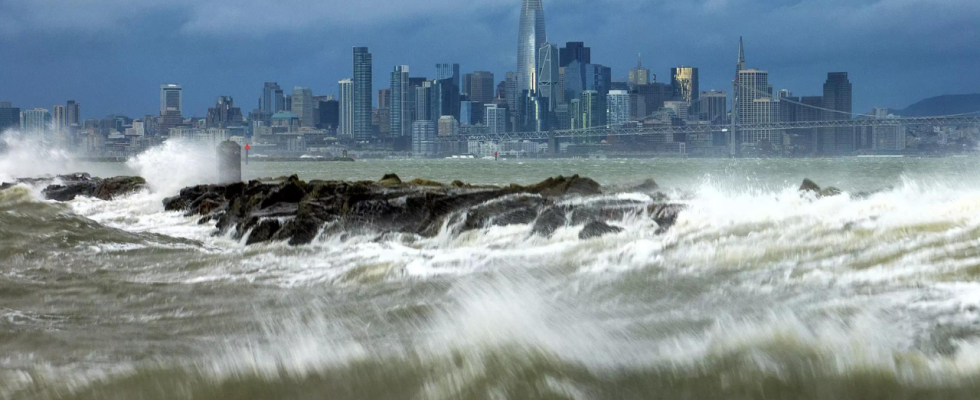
x: 362, y: 128
x: 346, y: 108
x: 618, y: 104
x: 684, y: 81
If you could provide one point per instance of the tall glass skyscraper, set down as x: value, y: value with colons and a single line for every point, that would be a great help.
x: 684, y: 81
x: 529, y: 41
x: 345, y: 125
x: 363, y: 94
x: 400, y: 117
x: 548, y: 75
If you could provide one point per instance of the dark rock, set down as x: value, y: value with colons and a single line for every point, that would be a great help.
x: 70, y: 191
x: 549, y: 221
x: 596, y: 229
x: 119, y: 186
x: 809, y: 186
x: 390, y: 180
x: 264, y: 231
x: 561, y: 186
x: 208, y: 206
x: 665, y: 215
x: 647, y: 186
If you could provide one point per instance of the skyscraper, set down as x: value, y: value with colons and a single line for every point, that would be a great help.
x: 684, y: 81
x: 639, y: 75
x: 273, y: 100
x: 303, y: 105
x: 446, y: 91
x: 74, y: 114
x: 400, y: 117
x: 9, y: 116
x: 756, y: 106
x: 495, y: 117
x: 574, y: 51
x: 224, y: 114
x: 618, y: 104
x: 713, y: 107
x: 593, y: 107
x: 345, y: 126
x: 35, y: 121
x: 837, y: 99
x: 329, y: 114
x: 548, y: 76
x: 363, y: 95
x: 423, y: 101
x: 481, y: 87
x: 171, y: 99
x: 531, y: 37
x: 60, y: 117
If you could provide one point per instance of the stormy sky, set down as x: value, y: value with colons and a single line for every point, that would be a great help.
x: 112, y: 55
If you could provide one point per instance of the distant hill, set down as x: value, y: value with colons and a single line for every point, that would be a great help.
x: 942, y: 105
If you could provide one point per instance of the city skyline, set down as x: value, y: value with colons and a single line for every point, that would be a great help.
x: 111, y: 73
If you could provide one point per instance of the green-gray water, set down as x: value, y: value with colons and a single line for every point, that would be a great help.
x: 756, y: 292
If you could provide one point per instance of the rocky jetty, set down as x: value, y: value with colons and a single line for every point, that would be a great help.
x: 68, y: 187
x: 811, y: 187
x: 289, y: 209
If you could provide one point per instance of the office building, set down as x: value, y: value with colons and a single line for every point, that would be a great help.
x: 684, y: 81
x: 424, y: 139
x: 224, y: 114
x: 445, y: 92
x: 9, y: 116
x: 678, y: 109
x: 302, y: 105
x: 480, y: 87
x: 531, y: 37
x: 618, y: 104
x: 171, y: 99
x: 345, y: 126
x: 400, y: 114
x: 574, y: 51
x: 36, y: 121
x: 273, y: 99
x: 74, y: 114
x: 755, y: 105
x: 448, y: 126
x: 837, y: 104
x: 59, y: 118
x: 362, y: 129
x: 329, y: 115
x: 713, y: 107
x: 639, y: 75
x: 423, y: 101
x: 495, y: 118
x: 384, y: 98
x: 547, y: 76
x: 594, y: 109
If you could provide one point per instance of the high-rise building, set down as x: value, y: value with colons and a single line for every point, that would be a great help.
x: 401, y: 114
x: 345, y: 126
x: 593, y: 109
x: 329, y: 111
x: 36, y: 121
x: 756, y: 106
x: 684, y: 81
x: 171, y: 99
x: 480, y: 87
x: 548, y: 76
x: 362, y: 112
x: 423, y: 101
x: 648, y: 99
x: 574, y: 51
x: 837, y: 103
x: 713, y: 107
x: 60, y: 117
x: 639, y: 75
x: 424, y: 139
x: 531, y: 37
x: 171, y: 107
x: 273, y: 99
x: 9, y: 116
x: 384, y: 98
x: 224, y: 114
x: 445, y: 91
x: 495, y: 117
x: 467, y: 114
x: 303, y: 105
x: 74, y: 114
x: 618, y: 104
x: 448, y: 126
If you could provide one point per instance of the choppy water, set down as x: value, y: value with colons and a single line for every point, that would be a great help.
x: 754, y: 293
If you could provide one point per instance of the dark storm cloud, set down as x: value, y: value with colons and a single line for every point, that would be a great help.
x: 112, y: 54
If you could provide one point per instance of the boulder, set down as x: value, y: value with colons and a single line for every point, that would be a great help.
x: 549, y: 221
x: 390, y: 180
x: 596, y: 229
x: 264, y: 231
x: 111, y: 188
x: 647, y: 186
x: 562, y: 186
x: 809, y: 186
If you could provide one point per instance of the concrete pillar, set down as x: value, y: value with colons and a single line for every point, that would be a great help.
x: 229, y: 162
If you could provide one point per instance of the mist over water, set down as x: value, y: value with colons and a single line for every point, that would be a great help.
x: 755, y: 292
